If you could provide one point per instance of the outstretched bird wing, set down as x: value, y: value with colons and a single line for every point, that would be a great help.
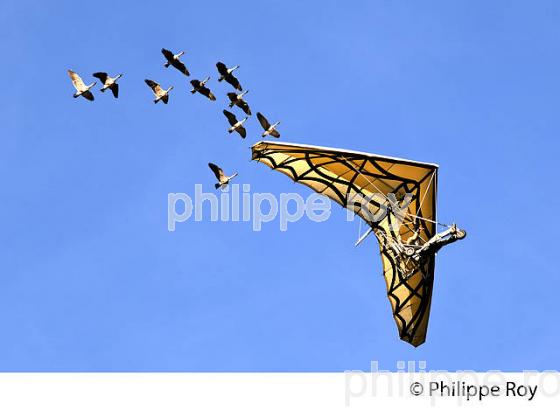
x: 232, y: 97
x: 206, y: 91
x: 102, y: 76
x: 155, y: 87
x: 222, y: 69
x: 245, y: 107
x: 167, y: 54
x: 231, y: 117
x: 218, y: 172
x: 242, y: 131
x: 264, y: 122
x: 275, y: 133
x: 88, y: 95
x: 76, y: 81
x: 230, y: 78
x: 115, y: 90
x: 152, y: 84
x: 180, y: 66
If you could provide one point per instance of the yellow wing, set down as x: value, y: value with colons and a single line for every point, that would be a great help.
x: 364, y: 183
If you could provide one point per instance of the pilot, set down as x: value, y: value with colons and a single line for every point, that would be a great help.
x: 414, y: 238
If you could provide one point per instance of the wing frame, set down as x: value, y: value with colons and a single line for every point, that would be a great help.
x: 339, y: 174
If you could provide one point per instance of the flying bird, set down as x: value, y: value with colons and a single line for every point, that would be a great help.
x: 237, y: 99
x: 200, y: 86
x: 220, y: 176
x: 109, y: 83
x: 227, y: 74
x: 235, y: 124
x: 268, y: 129
x: 173, y: 59
x: 81, y: 89
x: 159, y: 92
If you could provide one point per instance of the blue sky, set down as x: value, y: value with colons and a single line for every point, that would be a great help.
x: 90, y: 278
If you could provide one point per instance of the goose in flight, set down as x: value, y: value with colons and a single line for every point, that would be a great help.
x: 109, y: 83
x: 200, y: 86
x: 227, y: 74
x: 220, y: 176
x: 159, y: 92
x: 81, y: 88
x: 173, y: 59
x: 268, y: 129
x: 235, y: 124
x: 237, y: 99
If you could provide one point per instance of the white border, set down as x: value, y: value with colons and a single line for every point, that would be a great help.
x: 262, y: 391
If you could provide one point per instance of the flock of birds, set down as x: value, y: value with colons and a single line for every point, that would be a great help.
x: 198, y: 86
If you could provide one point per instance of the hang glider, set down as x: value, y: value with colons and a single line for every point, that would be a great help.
x: 397, y: 199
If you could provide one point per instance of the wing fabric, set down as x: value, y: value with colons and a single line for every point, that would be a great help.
x: 361, y: 182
